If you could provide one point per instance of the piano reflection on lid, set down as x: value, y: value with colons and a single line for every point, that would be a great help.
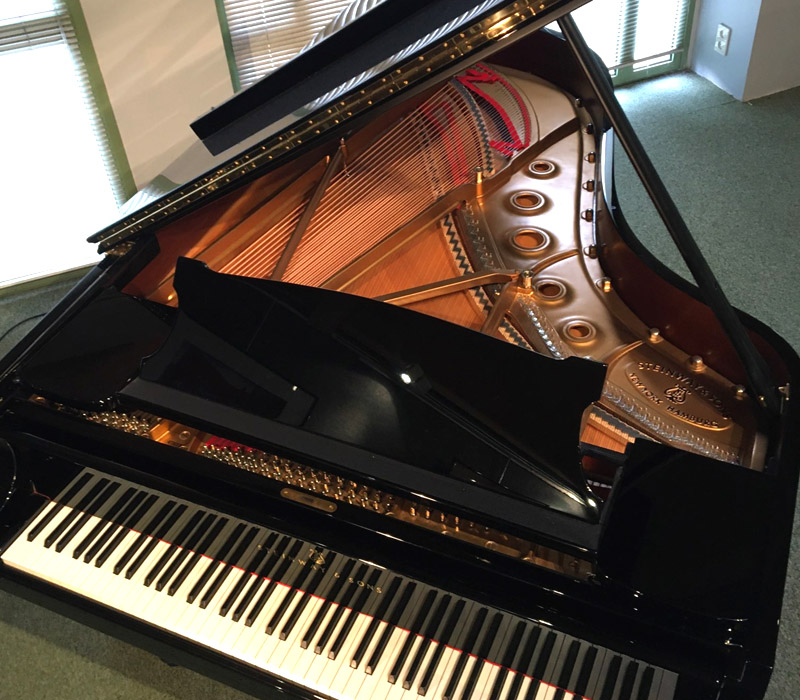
x: 390, y: 400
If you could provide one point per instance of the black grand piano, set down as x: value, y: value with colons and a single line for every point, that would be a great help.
x: 389, y: 402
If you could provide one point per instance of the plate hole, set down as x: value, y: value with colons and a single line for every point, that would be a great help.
x: 530, y: 240
x: 579, y: 331
x: 528, y: 201
x: 541, y: 168
x: 550, y: 290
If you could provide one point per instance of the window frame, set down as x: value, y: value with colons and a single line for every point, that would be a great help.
x: 678, y: 60
x: 99, y: 94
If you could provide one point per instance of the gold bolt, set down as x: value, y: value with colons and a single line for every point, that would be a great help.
x: 654, y: 335
x: 590, y: 251
x: 604, y: 284
x: 526, y: 280
x: 589, y: 185
x: 591, y: 157
x: 696, y: 363
x: 587, y: 215
x: 739, y: 391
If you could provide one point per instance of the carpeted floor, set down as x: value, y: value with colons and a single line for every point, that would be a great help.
x: 732, y: 169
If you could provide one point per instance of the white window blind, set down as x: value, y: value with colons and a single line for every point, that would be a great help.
x: 265, y: 34
x: 634, y: 33
x: 58, y: 183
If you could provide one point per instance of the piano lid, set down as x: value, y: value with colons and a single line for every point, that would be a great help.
x: 369, y: 39
x: 255, y: 133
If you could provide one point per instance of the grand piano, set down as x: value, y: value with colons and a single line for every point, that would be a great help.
x: 389, y: 401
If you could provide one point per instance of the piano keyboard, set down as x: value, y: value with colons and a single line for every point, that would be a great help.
x: 332, y: 624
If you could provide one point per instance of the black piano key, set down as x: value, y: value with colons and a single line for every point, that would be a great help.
x: 197, y: 554
x: 347, y: 595
x: 274, y: 559
x: 447, y: 634
x: 542, y: 659
x: 93, y: 508
x: 464, y: 653
x: 275, y: 579
x: 610, y: 681
x: 80, y: 507
x: 377, y: 618
x: 483, y: 652
x: 305, y: 569
x: 180, y: 540
x: 628, y: 681
x: 156, y: 537
x: 249, y: 569
x: 146, y: 532
x: 646, y: 684
x: 524, y: 662
x: 358, y: 605
x: 218, y: 554
x: 105, y: 521
x: 63, y: 500
x: 582, y: 684
x: 310, y: 592
x: 332, y: 597
x: 129, y: 524
x: 390, y: 596
x: 416, y: 625
x: 185, y: 550
x: 566, y: 669
x: 430, y: 631
x: 114, y: 526
x: 508, y: 658
x: 233, y: 561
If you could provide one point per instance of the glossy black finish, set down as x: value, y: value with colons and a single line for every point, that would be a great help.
x: 358, y: 46
x: 333, y: 364
x: 692, y: 553
x: 363, y: 43
x: 85, y: 362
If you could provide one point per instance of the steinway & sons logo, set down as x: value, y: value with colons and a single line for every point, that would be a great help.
x: 680, y: 394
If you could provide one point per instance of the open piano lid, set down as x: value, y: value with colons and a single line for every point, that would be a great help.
x: 273, y: 123
x: 371, y: 40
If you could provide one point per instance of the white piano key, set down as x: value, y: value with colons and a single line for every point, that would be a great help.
x: 308, y: 664
x: 376, y: 684
x: 666, y: 689
x: 441, y: 676
x: 292, y: 654
x: 485, y: 681
x: 337, y: 671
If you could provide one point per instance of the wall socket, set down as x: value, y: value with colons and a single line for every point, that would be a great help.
x: 723, y: 39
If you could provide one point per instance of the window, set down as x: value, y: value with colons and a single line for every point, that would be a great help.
x: 265, y: 34
x: 58, y: 183
x: 637, y: 38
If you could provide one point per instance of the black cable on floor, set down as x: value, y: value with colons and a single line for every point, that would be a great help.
x: 18, y: 324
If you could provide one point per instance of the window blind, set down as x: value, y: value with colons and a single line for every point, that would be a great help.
x: 30, y: 24
x: 59, y: 183
x: 265, y: 34
x: 634, y: 33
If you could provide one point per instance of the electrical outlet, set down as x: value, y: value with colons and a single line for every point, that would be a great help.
x: 722, y: 40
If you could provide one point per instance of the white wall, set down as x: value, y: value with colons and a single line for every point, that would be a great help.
x: 764, y: 54
x: 775, y: 61
x: 728, y: 72
x: 164, y: 64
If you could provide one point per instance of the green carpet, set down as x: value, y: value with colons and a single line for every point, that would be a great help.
x: 732, y: 169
